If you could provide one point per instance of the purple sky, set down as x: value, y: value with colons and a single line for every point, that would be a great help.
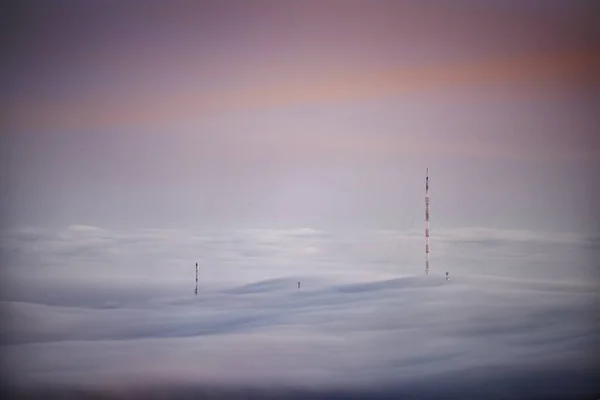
x: 294, y: 114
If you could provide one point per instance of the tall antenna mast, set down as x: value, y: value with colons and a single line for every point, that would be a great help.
x: 427, y: 222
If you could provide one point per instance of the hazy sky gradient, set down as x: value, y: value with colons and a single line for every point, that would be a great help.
x: 292, y: 114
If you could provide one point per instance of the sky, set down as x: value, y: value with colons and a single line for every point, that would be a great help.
x: 308, y: 114
x: 274, y: 142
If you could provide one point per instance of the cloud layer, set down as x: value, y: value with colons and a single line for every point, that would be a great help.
x: 93, y: 309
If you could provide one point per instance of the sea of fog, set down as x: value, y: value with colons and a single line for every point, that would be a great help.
x: 89, y: 311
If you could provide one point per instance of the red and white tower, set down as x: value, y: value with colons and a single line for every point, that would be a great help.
x: 427, y: 222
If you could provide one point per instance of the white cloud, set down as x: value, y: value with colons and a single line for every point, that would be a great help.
x: 312, y: 250
x: 480, y: 234
x: 86, y: 304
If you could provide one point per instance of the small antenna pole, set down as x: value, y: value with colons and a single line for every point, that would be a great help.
x: 196, y: 291
x: 427, y: 222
